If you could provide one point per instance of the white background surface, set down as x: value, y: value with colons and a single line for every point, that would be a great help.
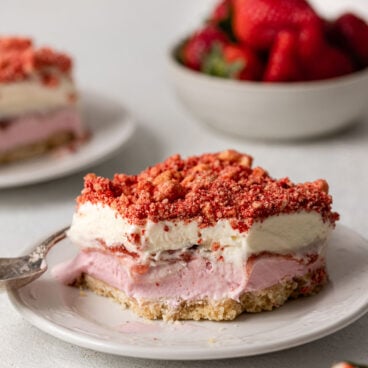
x: 120, y: 47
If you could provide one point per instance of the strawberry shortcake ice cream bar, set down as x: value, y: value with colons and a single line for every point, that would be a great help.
x: 38, y: 100
x: 207, y: 237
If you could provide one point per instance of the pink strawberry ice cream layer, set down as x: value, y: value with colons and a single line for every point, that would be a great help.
x: 33, y: 128
x: 197, y: 279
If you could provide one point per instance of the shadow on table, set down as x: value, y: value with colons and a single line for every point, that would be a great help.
x: 356, y: 132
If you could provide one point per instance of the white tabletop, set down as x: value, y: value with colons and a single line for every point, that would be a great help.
x: 120, y: 48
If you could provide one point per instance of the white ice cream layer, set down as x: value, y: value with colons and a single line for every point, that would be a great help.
x: 284, y: 233
x: 32, y: 96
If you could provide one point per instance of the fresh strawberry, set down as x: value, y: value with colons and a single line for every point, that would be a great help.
x: 221, y: 17
x: 283, y: 63
x: 232, y: 61
x: 352, y: 33
x: 199, y: 45
x: 257, y: 22
x: 330, y: 63
x: 251, y: 68
x: 332, y: 37
x: 221, y: 12
x: 311, y: 43
x: 319, y: 58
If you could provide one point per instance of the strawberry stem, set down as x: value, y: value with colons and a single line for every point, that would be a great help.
x: 215, y: 64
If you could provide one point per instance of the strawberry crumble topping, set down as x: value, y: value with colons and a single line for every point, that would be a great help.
x: 20, y: 60
x: 206, y: 189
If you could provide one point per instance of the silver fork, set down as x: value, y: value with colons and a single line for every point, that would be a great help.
x: 20, y: 271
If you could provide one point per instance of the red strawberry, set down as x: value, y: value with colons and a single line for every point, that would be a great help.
x: 232, y: 61
x: 318, y: 58
x: 283, y: 60
x: 221, y: 12
x: 331, y: 34
x: 311, y: 42
x: 352, y: 32
x: 222, y: 18
x: 330, y: 63
x: 257, y: 22
x: 199, y: 44
x: 251, y: 68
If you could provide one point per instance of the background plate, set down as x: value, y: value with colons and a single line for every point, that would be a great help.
x: 111, y: 126
x: 98, y: 323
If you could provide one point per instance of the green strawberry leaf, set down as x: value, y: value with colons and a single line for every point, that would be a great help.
x: 214, y: 64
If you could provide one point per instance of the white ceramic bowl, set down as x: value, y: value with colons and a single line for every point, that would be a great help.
x: 272, y: 111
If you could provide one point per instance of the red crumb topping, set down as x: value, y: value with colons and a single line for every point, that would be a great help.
x: 206, y: 189
x: 21, y: 60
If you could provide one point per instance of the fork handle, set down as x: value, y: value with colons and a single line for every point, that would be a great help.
x: 11, y: 269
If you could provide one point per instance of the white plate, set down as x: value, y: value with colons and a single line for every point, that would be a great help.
x: 100, y: 324
x: 111, y: 126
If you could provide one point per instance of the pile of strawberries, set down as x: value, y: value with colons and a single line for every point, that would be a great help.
x: 276, y: 41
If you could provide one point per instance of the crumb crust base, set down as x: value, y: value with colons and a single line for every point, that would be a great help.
x: 215, y: 310
x: 37, y: 149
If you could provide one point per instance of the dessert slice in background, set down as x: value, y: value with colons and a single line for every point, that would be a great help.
x: 207, y: 237
x: 38, y: 100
